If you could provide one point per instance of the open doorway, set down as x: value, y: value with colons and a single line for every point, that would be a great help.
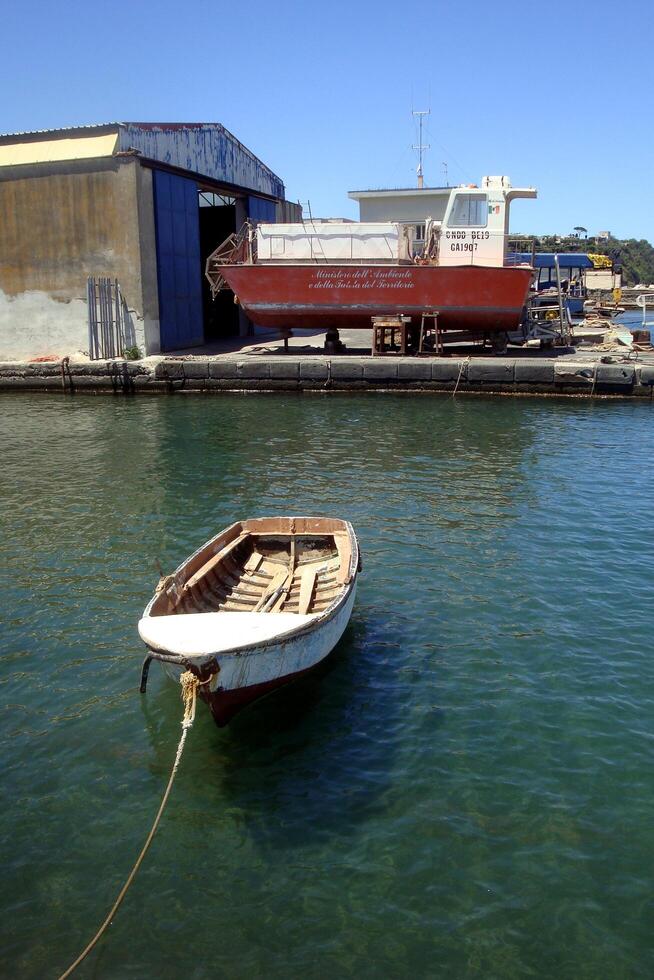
x: 217, y: 221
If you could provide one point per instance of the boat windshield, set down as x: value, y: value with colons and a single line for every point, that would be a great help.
x: 469, y: 210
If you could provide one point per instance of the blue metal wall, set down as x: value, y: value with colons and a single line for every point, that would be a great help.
x: 260, y: 209
x: 206, y: 148
x: 179, y: 273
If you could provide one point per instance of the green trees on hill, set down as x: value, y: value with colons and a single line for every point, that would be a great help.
x: 635, y: 257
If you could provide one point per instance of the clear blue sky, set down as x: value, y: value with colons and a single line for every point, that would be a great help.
x: 556, y: 95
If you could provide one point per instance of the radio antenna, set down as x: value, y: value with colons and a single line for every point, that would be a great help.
x: 420, y: 147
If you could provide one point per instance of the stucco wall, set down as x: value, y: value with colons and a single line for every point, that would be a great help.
x: 34, y: 324
x: 59, y: 224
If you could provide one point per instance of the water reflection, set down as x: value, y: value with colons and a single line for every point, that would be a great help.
x: 393, y: 459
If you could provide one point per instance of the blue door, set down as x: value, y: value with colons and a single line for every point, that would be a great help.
x: 179, y: 272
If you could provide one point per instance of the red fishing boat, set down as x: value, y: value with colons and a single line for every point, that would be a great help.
x: 340, y: 274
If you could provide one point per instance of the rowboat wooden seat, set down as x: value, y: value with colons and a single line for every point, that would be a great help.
x: 203, y: 634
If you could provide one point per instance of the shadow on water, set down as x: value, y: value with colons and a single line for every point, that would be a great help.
x: 316, y: 756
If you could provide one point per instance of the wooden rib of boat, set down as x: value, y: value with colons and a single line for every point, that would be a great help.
x: 257, y: 606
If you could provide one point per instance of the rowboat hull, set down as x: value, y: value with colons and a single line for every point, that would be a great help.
x: 257, y: 671
x: 480, y: 299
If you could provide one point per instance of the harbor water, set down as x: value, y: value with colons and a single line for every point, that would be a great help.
x: 465, y: 792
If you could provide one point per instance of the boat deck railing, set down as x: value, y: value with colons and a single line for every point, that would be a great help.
x: 517, y: 249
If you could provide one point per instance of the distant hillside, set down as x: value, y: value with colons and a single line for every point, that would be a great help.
x: 635, y: 257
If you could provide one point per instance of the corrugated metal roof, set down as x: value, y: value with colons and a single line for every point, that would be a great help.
x: 203, y: 148
x: 61, y: 129
x: 174, y: 125
x: 115, y: 124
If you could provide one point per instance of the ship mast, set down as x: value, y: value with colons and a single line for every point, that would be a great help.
x: 420, y: 145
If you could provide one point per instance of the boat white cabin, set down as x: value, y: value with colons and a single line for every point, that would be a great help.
x: 473, y: 230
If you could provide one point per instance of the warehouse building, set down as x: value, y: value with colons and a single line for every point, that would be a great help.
x: 140, y: 204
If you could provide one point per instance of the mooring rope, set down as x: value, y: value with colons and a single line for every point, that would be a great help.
x: 190, y: 685
x: 592, y: 390
x: 462, y: 366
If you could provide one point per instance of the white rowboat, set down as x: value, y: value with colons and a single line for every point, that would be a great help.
x: 257, y: 606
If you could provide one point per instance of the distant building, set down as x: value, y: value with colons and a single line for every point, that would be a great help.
x: 603, y: 236
x: 142, y: 203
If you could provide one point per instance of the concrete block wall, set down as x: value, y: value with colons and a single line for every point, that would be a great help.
x: 288, y: 373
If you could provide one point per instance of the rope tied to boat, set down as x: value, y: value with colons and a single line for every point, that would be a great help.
x: 462, y: 367
x: 190, y: 684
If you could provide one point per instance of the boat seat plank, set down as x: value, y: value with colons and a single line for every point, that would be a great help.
x: 307, y: 584
x: 213, y: 561
x: 332, y: 558
x: 288, y: 582
x: 344, y: 555
x: 278, y: 580
x: 253, y: 563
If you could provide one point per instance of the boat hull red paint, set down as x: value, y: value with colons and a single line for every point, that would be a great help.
x: 477, y: 298
x: 224, y: 705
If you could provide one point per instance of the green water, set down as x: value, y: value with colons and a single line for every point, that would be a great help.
x: 466, y: 792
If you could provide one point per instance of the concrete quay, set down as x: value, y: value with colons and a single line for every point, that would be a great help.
x: 582, y: 373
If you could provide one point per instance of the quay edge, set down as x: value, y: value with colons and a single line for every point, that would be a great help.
x: 577, y: 375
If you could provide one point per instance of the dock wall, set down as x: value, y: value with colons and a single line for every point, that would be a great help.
x: 551, y: 376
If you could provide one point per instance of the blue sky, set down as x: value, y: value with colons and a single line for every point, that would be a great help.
x: 557, y: 95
